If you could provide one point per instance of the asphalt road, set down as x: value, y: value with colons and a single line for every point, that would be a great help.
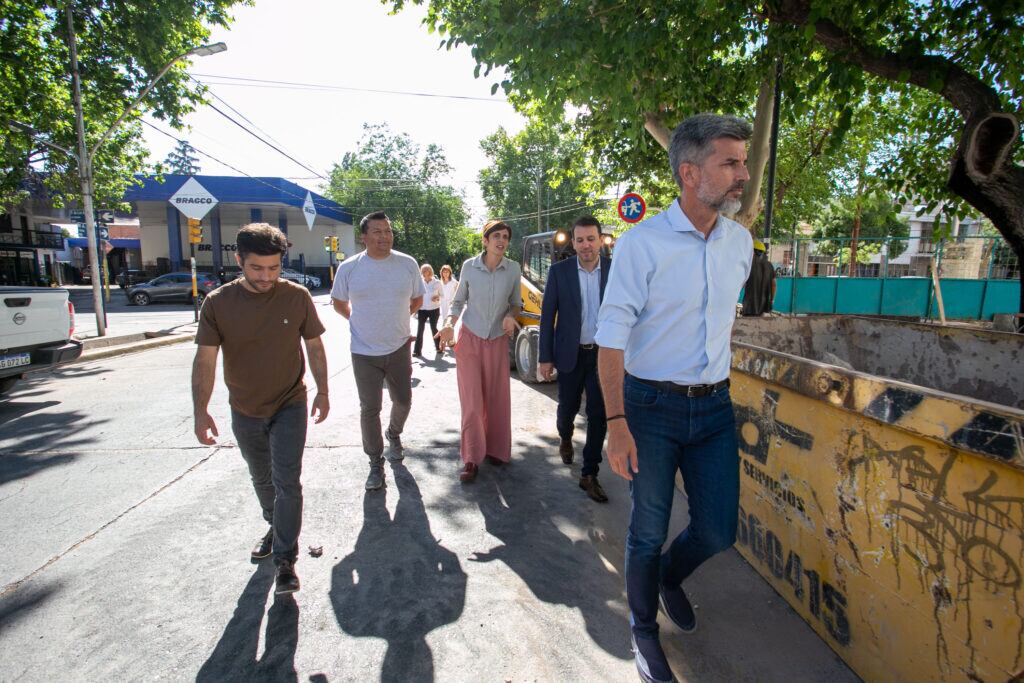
x: 126, y: 549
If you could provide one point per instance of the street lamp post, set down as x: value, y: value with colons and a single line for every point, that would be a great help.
x: 85, y: 157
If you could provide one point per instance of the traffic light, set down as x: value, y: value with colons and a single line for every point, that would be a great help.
x: 334, y: 245
x: 327, y: 244
x: 195, y: 231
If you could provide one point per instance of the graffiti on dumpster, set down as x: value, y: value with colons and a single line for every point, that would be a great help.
x: 767, y: 427
x: 827, y: 603
x: 956, y: 542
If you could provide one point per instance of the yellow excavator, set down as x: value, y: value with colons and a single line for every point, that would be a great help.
x: 539, y: 252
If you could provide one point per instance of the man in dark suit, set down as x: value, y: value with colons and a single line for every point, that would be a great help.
x: 568, y: 324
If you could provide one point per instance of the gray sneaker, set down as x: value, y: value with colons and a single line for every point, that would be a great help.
x: 396, y: 453
x: 376, y: 479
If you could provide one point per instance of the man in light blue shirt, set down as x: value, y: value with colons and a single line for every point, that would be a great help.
x: 664, y: 329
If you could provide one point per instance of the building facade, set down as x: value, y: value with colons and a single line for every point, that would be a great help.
x: 236, y: 202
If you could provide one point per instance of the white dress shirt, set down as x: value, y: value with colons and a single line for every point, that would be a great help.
x: 590, y: 295
x: 670, y: 301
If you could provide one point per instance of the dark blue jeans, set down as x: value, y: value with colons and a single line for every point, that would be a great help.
x: 570, y: 390
x: 697, y: 436
x: 272, y: 448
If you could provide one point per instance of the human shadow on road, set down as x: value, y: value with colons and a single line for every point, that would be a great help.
x: 399, y: 583
x: 21, y: 602
x: 33, y: 441
x: 520, y: 504
x: 234, y: 657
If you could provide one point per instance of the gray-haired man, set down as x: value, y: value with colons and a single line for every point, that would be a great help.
x: 664, y: 326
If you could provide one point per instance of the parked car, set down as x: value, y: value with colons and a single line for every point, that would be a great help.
x: 309, y: 281
x: 36, y: 328
x: 172, y: 287
x: 127, y: 278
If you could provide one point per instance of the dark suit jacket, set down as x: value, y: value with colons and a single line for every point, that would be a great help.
x: 561, y: 315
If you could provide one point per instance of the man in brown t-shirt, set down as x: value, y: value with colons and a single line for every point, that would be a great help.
x: 258, y: 320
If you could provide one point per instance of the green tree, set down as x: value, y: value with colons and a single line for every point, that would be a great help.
x: 536, y: 180
x: 122, y: 45
x: 879, y: 218
x: 954, y: 66
x: 181, y: 160
x: 390, y: 172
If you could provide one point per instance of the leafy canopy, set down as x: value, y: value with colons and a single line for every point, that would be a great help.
x: 390, y: 172
x: 122, y: 45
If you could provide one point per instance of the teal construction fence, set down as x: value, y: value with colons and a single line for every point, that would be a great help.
x: 907, y: 296
x: 978, y: 277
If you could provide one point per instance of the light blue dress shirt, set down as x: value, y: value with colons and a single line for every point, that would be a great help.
x: 671, y: 298
x: 590, y: 295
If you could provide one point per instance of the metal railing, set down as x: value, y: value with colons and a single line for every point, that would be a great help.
x: 36, y: 238
x: 976, y: 257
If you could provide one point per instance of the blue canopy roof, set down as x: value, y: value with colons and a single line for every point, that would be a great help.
x: 240, y: 190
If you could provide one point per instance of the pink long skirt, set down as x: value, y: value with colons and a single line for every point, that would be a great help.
x: 483, y: 371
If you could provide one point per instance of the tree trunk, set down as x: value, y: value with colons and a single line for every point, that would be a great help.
x: 757, y: 156
x: 858, y: 212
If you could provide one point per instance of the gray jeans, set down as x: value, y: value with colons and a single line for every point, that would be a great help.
x: 272, y: 448
x: 372, y: 373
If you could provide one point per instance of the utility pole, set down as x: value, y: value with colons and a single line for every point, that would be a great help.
x: 539, y: 229
x: 85, y: 176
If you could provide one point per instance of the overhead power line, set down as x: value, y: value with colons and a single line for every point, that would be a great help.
x: 267, y: 83
x: 267, y: 142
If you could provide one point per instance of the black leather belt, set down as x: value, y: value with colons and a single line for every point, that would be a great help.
x: 588, y: 347
x: 691, y: 391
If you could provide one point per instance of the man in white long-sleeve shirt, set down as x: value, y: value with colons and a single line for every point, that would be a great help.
x: 664, y: 330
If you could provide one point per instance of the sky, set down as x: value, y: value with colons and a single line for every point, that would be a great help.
x: 353, y: 44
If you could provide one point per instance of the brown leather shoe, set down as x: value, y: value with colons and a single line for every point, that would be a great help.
x: 468, y: 473
x: 263, y: 546
x: 593, y: 488
x: 565, y: 450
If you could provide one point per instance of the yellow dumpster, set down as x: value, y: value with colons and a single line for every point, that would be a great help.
x: 882, y: 489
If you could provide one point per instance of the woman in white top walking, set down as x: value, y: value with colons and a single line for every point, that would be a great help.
x: 449, y: 285
x: 429, y: 311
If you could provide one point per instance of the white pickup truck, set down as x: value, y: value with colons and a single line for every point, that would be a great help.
x: 36, y: 328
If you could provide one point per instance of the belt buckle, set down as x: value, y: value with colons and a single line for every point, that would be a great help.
x: 691, y: 391
x: 588, y: 347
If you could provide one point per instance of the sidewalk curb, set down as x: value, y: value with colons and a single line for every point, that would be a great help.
x: 144, y: 344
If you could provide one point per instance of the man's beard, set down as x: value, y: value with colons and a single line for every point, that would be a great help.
x: 730, y: 207
x: 722, y: 203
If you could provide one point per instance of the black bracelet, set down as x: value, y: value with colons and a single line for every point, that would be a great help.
x: 615, y: 417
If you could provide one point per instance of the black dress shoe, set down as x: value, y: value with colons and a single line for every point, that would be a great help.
x: 287, y: 581
x: 494, y: 461
x: 263, y: 546
x: 565, y: 450
x: 593, y: 488
x: 677, y: 607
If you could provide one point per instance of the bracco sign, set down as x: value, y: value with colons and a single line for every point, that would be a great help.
x: 309, y: 210
x: 193, y: 199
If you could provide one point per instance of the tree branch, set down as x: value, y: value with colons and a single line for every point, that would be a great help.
x: 657, y: 129
x: 964, y: 91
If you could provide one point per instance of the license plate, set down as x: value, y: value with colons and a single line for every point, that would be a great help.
x: 15, y: 360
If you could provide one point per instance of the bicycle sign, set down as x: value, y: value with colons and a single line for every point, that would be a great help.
x: 632, y: 207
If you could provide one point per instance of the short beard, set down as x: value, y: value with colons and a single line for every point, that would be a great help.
x: 730, y: 207
x: 722, y: 204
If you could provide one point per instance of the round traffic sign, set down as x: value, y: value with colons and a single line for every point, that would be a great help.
x: 632, y: 207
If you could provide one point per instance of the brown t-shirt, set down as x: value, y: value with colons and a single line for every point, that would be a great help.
x: 259, y: 333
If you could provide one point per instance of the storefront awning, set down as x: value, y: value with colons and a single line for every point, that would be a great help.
x: 116, y: 243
